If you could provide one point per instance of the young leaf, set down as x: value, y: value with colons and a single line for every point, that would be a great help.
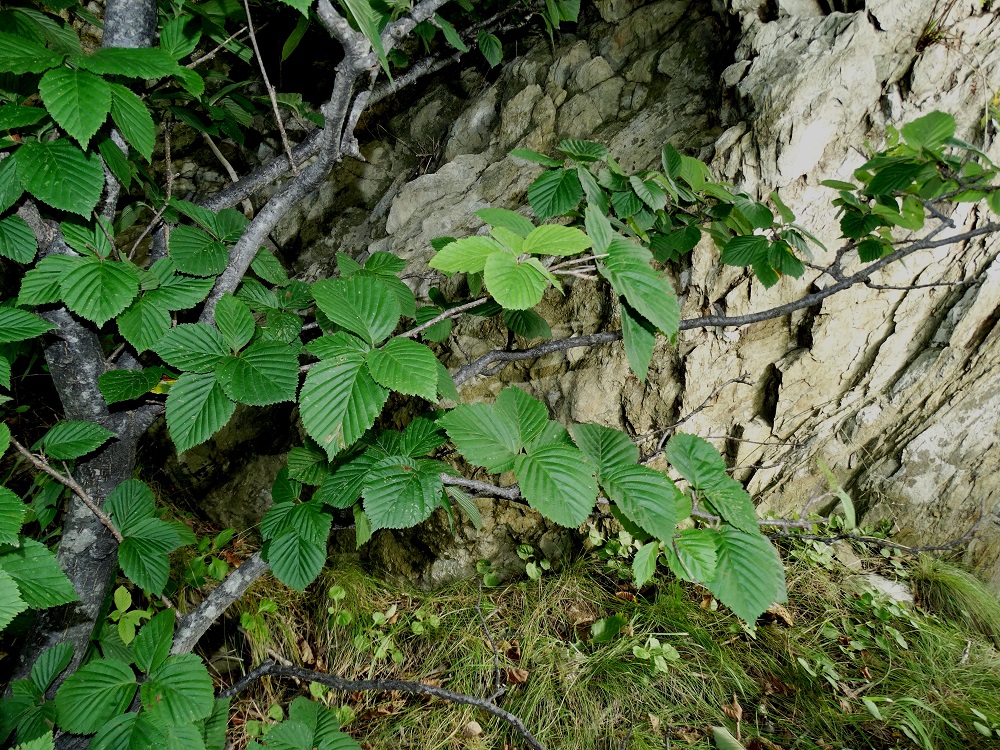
x: 17, y: 241
x: 558, y: 482
x: 339, y: 401
x: 61, y: 175
x: 235, y: 321
x: 362, y: 304
x: 405, y: 366
x: 514, y: 285
x: 554, y: 193
x: 152, y: 646
x: 99, y: 290
x: 750, y: 575
x: 192, y: 346
x: 143, y: 553
x: 95, y: 693
x: 468, y: 255
x: 266, y: 372
x: 401, y: 492
x: 197, y: 408
x: 71, y: 439
x: 307, y: 465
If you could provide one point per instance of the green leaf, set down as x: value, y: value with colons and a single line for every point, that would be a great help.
x: 691, y: 555
x: 533, y: 156
x: 266, y: 372
x: 19, y: 325
x: 11, y: 188
x: 15, y: 117
x: 192, y: 346
x: 42, y: 742
x: 143, y: 555
x: 583, y: 150
x: 929, y: 131
x: 782, y: 260
x: 61, y: 175
x: 607, y: 449
x: 19, y: 55
x: 269, y: 268
x: 745, y: 249
x: 696, y: 459
x: 302, y: 6
x: 235, y: 321
x: 196, y: 253
x: 179, y: 691
x: 649, y: 193
x: 724, y: 740
x: 296, y: 560
x: 131, y: 732
x: 405, y: 366
x: 514, y: 285
x: 50, y: 665
x: 558, y: 482
x: 450, y: 34
x: 554, y: 193
x: 342, y: 487
x: 307, y: 465
x: 99, y: 290
x: 17, y: 241
x: 733, y: 503
x: 639, y: 336
x: 197, y: 408
x: 552, y: 239
x: 628, y: 268
x: 598, y: 228
x: 445, y: 385
x: 528, y: 416
x: 368, y: 21
x: 750, y: 575
x: 839, y: 185
x: 71, y: 439
x: 77, y: 100
x: 490, y: 47
x: 401, y: 492
x: 644, y: 563
x: 126, y: 385
x: 179, y: 37
x: 116, y: 159
x: 527, y: 324
x: 11, y: 603
x: 87, y: 239
x: 437, y: 332
x: 467, y: 255
x: 419, y: 438
x: 896, y: 176
x: 180, y: 292
x: 129, y: 504
x: 12, y: 508
x: 95, y: 693
x: 152, y: 646
x: 144, y: 62
x: 362, y: 304
x: 133, y: 120
x: 339, y: 401
x: 482, y: 436
x: 144, y: 322
x: 207, y: 220
x: 786, y: 213
x: 647, y: 498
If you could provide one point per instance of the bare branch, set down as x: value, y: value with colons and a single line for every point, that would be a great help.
x: 484, y: 488
x: 208, y: 56
x: 270, y: 668
x: 498, y: 687
x: 247, y: 205
x: 449, y: 313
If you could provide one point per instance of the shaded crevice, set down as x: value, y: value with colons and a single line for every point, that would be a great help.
x: 771, y: 391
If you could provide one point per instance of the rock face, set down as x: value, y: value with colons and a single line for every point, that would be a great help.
x: 897, y: 390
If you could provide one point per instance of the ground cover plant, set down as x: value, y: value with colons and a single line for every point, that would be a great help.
x: 145, y: 306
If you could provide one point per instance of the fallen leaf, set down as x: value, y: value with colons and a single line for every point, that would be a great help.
x: 517, y: 676
x: 472, y: 729
x: 733, y: 710
x: 654, y: 722
x: 513, y: 652
x: 625, y: 596
x: 706, y: 601
x: 778, y: 612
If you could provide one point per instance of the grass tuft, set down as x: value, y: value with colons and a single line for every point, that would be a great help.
x: 957, y: 595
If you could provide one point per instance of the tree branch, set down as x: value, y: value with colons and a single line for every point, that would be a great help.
x: 269, y: 668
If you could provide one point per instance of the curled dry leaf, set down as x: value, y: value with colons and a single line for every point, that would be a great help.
x: 517, y: 676
x: 780, y: 614
x: 472, y: 729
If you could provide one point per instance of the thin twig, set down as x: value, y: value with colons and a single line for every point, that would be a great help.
x: 449, y: 313
x: 149, y: 228
x: 507, y: 493
x: 208, y: 56
x: 247, y: 205
x: 272, y: 94
x: 270, y: 668
x: 498, y: 687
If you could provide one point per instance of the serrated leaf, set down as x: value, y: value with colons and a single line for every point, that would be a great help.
x: 95, y: 693
x: 307, y: 465
x: 234, y: 321
x: 295, y: 560
x: 143, y: 62
x: 446, y: 385
x: 42, y: 742
x: 19, y: 55
x: 929, y: 131
x: 745, y: 249
x: 11, y: 188
x: 733, y: 503
x: 11, y: 603
x: 583, y: 150
x: 19, y: 325
x: 339, y: 401
x: 266, y: 372
x: 897, y: 176
x: 696, y: 459
x: 482, y: 436
x: 405, y: 366
x: 50, y: 664
x: 467, y: 255
x: 598, y: 229
x: 554, y: 193
x: 152, y: 646
x: 180, y: 292
x: 17, y: 241
x: 558, y: 482
x: 608, y: 449
x: 179, y: 691
x: 628, y: 269
x: 533, y: 156
x: 71, y: 439
x: 527, y: 323
x: 197, y: 408
x: 649, y: 192
x: 197, y: 253
x: 647, y: 498
x: 514, y: 285
x: 143, y: 555
x: 77, y: 100
x: 116, y: 159
x: 130, y: 732
x: 552, y: 239
x: 99, y: 290
x: 15, y: 117
x: 269, y: 268
x: 691, y: 555
x: 401, y: 492
x: 368, y: 21
x: 750, y: 574
x: 133, y: 120
x: 342, y: 487
x: 192, y: 346
x: 12, y: 508
x: 526, y: 415
x: 490, y: 47
x: 437, y: 332
x: 644, y: 563
x: 506, y: 219
x: 450, y: 34
x: 639, y: 337
x: 362, y: 304
x: 144, y: 323
x: 40, y: 285
x: 302, y: 6
x: 130, y: 503
x: 179, y: 36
